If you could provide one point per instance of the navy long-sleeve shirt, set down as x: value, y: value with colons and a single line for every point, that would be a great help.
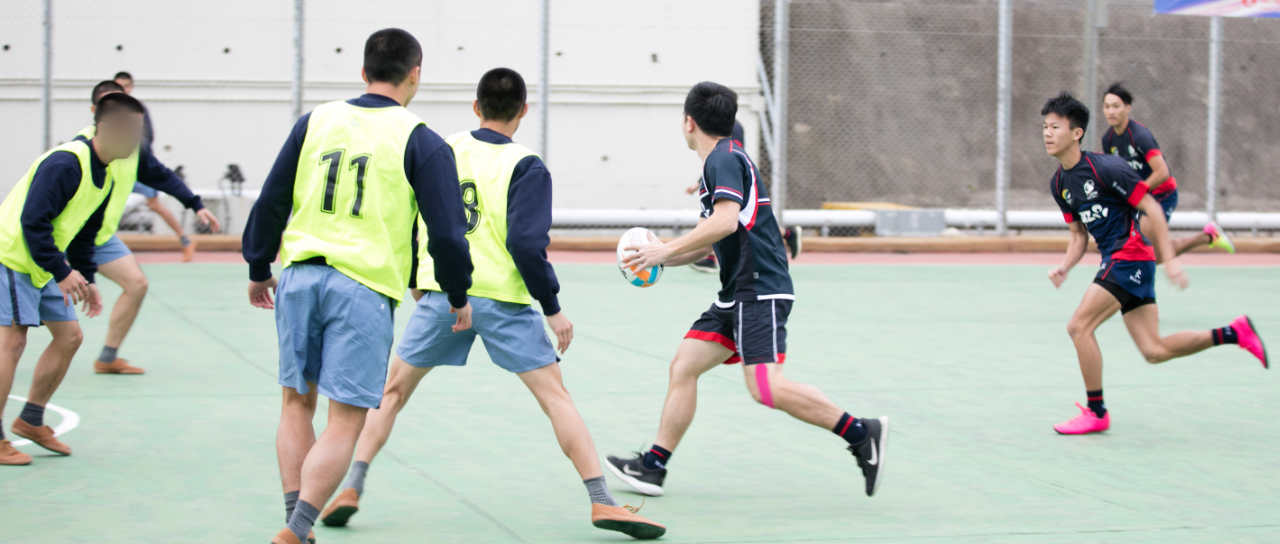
x: 428, y: 164
x: 55, y: 182
x: 529, y: 224
x: 154, y: 174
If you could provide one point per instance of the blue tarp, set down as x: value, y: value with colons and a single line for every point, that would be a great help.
x: 1220, y: 8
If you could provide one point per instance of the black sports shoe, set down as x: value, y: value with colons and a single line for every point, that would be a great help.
x: 792, y: 238
x: 870, y: 452
x: 707, y: 265
x: 632, y: 471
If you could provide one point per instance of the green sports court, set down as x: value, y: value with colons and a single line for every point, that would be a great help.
x: 970, y: 361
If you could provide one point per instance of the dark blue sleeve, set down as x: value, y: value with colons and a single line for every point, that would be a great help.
x: 1116, y: 177
x: 80, y: 251
x: 261, y: 241
x: 1144, y: 140
x: 157, y: 176
x: 726, y: 177
x: 55, y: 182
x: 430, y: 167
x: 528, y: 226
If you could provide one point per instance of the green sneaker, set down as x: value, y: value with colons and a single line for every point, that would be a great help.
x: 1218, y: 238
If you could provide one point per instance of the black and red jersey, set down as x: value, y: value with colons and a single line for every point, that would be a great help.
x: 1137, y: 146
x: 1103, y: 192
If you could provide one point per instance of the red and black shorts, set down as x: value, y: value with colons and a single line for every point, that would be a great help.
x: 756, y: 331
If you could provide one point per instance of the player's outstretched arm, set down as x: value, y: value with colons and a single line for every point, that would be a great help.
x: 1076, y: 247
x: 1160, y: 238
x: 723, y: 222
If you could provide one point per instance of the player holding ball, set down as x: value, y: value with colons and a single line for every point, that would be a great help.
x: 747, y: 323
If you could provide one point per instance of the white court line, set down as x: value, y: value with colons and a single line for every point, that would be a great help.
x: 70, y: 420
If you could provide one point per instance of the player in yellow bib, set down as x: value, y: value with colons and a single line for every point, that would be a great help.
x: 506, y: 190
x: 113, y: 258
x: 47, y: 227
x: 339, y: 207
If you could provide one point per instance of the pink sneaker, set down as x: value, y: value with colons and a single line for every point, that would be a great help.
x: 1249, y: 339
x: 1084, y: 423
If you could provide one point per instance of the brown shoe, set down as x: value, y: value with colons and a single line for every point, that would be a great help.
x: 345, y: 505
x: 285, y: 536
x: 189, y: 251
x: 42, y: 436
x: 118, y: 366
x: 624, y: 520
x: 10, y: 455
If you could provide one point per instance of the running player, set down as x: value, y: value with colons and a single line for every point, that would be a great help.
x: 747, y: 323
x: 125, y: 81
x: 792, y: 236
x: 50, y: 218
x: 112, y: 257
x: 1100, y: 195
x: 1133, y: 142
x: 354, y: 175
x: 507, y: 192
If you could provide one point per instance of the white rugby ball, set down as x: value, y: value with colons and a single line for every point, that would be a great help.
x: 639, y: 277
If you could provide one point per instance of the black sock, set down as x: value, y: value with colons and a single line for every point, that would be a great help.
x: 290, y: 502
x: 1225, y: 335
x: 32, y: 414
x: 1095, y: 403
x: 657, y: 457
x: 850, y: 429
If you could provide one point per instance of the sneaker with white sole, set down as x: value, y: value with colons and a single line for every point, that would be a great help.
x: 632, y: 471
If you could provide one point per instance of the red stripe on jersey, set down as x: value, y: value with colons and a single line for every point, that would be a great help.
x: 1153, y: 153
x: 1134, y: 248
x: 1139, y: 191
x: 1167, y: 187
x: 1068, y: 218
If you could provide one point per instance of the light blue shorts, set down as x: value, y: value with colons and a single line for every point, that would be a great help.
x: 113, y: 249
x: 27, y: 305
x: 335, y: 333
x: 144, y: 190
x: 513, y: 335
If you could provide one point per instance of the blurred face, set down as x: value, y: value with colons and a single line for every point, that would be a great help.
x: 689, y: 129
x: 1116, y: 110
x: 118, y: 134
x: 127, y: 84
x: 1058, y: 134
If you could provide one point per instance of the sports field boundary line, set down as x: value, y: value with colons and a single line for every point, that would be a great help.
x: 70, y: 420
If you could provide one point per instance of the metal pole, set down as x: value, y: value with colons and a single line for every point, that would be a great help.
x: 297, y: 57
x: 781, y: 54
x: 544, y: 73
x: 1004, y: 110
x: 1089, y: 71
x: 1215, y: 117
x: 46, y: 79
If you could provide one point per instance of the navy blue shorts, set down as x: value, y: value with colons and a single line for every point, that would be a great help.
x: 1133, y: 283
x: 756, y: 331
x: 1168, y: 201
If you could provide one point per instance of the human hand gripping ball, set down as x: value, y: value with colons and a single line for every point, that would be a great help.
x: 641, y: 257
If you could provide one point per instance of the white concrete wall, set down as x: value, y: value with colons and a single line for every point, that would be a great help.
x: 615, y: 112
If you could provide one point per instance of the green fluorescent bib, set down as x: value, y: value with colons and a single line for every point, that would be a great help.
x: 352, y: 203
x: 125, y: 174
x: 13, y: 245
x: 484, y: 170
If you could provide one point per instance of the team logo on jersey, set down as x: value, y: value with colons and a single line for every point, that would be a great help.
x: 1115, y: 150
x: 1119, y: 189
x: 1093, y: 214
x: 1136, y: 277
x: 1066, y: 197
x: 1089, y: 193
x: 1133, y: 152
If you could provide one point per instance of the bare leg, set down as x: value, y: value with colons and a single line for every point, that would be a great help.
x: 1097, y: 307
x: 693, y: 358
x: 1180, y: 245
x: 164, y: 213
x: 401, y: 383
x: 327, y: 461
x: 128, y: 275
x: 1144, y: 327
x: 803, y: 402
x: 13, y: 341
x: 547, y: 386
x: 295, y: 436
x: 55, y: 360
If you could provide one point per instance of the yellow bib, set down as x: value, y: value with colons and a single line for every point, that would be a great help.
x: 352, y: 203
x: 485, y: 171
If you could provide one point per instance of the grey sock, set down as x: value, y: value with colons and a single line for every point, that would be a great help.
x: 186, y: 241
x: 1, y: 427
x: 355, y: 480
x: 599, y: 491
x: 108, y: 354
x: 33, y: 414
x: 290, y: 501
x: 304, y: 516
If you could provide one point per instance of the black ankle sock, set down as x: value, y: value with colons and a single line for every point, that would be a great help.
x: 850, y: 429
x: 657, y: 457
x: 1225, y: 335
x: 32, y: 414
x: 1095, y: 403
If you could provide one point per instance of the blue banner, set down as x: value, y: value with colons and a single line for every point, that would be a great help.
x: 1220, y: 8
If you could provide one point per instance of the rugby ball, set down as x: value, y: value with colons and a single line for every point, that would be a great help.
x: 639, y: 277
